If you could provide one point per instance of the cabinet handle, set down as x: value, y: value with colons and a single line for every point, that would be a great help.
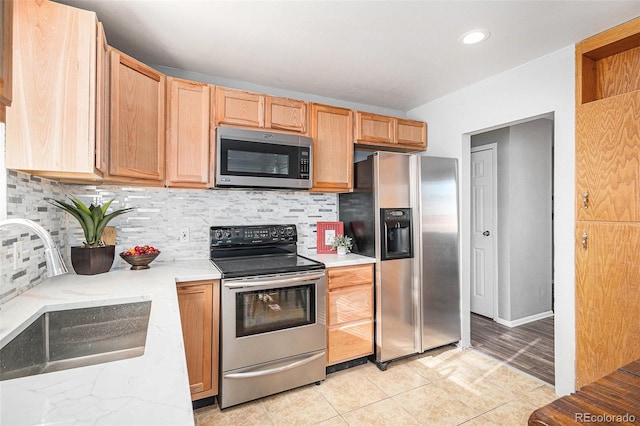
x: 585, y: 200
x: 584, y: 240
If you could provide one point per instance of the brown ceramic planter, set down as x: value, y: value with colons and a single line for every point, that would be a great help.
x: 92, y: 261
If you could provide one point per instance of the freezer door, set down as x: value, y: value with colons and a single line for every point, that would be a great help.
x: 440, y: 280
x: 395, y: 309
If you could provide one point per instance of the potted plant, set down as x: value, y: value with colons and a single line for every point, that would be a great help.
x: 93, y: 257
x: 342, y: 243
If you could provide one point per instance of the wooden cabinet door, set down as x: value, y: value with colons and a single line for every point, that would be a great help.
x: 137, y: 120
x: 348, y: 304
x: 607, y: 298
x: 6, y: 48
x: 374, y: 128
x: 349, y: 341
x: 349, y: 313
x: 239, y: 108
x: 608, y: 159
x: 199, y: 309
x: 349, y: 276
x: 285, y: 114
x: 189, y: 147
x: 51, y: 125
x: 397, y: 134
x: 103, y: 105
x: 332, y: 132
x: 410, y: 132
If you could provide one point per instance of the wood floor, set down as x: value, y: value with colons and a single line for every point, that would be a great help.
x: 528, y: 347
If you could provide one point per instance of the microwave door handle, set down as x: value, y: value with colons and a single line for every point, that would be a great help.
x: 271, y: 281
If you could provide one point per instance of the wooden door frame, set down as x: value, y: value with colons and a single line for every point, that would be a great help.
x: 493, y: 147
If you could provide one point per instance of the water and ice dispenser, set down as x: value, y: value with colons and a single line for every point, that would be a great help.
x: 396, y: 233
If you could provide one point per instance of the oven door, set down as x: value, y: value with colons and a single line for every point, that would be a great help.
x: 272, y: 317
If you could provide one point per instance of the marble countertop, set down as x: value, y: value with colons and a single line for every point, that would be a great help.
x: 334, y: 260
x: 149, y: 390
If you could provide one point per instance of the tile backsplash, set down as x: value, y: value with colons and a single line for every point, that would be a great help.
x: 26, y: 197
x: 159, y: 216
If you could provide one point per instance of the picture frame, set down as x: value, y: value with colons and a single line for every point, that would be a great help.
x: 326, y: 231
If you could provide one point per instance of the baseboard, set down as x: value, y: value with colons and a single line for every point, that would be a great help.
x: 524, y: 320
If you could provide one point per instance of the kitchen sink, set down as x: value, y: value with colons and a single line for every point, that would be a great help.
x: 65, y: 339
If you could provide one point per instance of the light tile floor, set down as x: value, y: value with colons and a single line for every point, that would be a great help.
x: 448, y: 386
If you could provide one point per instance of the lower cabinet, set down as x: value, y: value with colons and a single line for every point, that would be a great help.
x: 199, y: 303
x: 349, y: 313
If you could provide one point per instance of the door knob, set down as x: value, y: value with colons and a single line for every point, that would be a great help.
x: 486, y: 233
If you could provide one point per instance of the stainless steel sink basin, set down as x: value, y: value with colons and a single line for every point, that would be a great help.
x: 60, y: 340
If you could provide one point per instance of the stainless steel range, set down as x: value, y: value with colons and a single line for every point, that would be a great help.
x: 273, y: 325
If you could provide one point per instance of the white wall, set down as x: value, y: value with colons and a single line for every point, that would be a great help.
x: 539, y: 87
x: 530, y: 224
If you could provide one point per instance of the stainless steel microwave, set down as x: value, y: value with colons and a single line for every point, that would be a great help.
x: 258, y: 159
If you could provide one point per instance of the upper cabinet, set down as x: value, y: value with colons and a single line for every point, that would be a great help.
x: 608, y: 125
x: 332, y: 132
x: 6, y: 35
x: 53, y: 126
x: 374, y: 128
x: 190, y: 138
x: 240, y: 108
x: 137, y: 121
x: 285, y: 114
x: 374, y: 131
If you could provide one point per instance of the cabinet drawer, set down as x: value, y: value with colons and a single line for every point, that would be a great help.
x: 350, y: 304
x: 349, y: 276
x: 349, y: 342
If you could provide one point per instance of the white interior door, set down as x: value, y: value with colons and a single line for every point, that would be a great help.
x: 483, y: 230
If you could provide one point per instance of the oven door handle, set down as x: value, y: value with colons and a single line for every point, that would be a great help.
x: 293, y: 365
x: 270, y: 281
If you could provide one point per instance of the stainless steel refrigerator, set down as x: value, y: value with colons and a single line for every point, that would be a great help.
x: 438, y: 261
x: 402, y: 209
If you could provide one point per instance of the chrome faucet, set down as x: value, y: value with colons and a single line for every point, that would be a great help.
x: 55, y: 264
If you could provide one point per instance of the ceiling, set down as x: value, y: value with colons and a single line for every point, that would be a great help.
x: 391, y: 54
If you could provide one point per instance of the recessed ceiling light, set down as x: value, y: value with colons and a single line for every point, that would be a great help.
x: 473, y: 37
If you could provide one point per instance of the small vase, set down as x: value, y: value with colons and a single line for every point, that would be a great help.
x: 342, y: 250
x: 92, y: 261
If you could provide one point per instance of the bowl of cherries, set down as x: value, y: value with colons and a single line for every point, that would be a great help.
x: 140, y: 257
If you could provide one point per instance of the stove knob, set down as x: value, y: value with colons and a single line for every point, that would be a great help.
x: 282, y: 231
x: 274, y: 232
x: 289, y: 232
x: 218, y: 234
x: 227, y: 233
